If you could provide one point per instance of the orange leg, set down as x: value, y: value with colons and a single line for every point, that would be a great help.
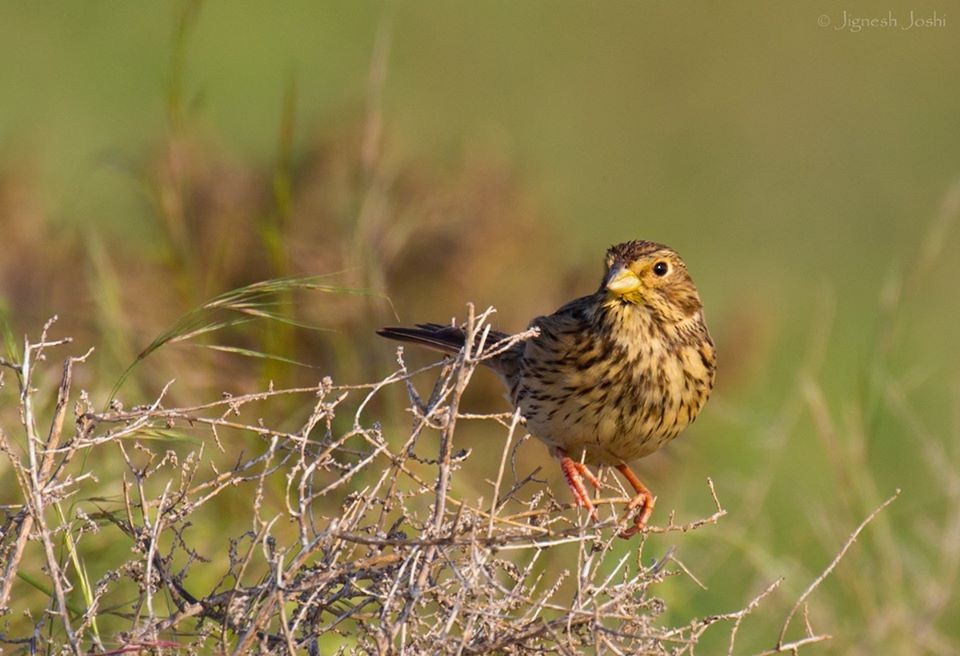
x: 575, y: 472
x: 644, y: 500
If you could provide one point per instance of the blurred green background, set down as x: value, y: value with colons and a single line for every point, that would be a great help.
x: 153, y: 155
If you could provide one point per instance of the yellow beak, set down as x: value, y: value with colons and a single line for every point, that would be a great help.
x: 622, y: 281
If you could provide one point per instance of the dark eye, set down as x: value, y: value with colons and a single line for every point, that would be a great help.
x: 661, y: 268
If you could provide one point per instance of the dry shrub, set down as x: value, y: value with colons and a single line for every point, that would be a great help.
x: 235, y: 528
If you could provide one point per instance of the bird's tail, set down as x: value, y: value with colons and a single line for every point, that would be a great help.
x: 450, y: 339
x: 446, y: 339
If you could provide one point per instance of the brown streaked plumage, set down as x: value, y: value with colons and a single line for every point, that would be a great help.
x: 612, y: 376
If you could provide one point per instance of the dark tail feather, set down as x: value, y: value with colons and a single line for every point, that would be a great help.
x: 450, y: 339
x: 446, y: 339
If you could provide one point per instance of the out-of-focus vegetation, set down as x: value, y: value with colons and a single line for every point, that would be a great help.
x: 427, y: 154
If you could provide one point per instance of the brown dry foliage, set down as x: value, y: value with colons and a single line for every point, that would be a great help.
x: 405, y: 230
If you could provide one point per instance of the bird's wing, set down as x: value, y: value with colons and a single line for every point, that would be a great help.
x: 565, y: 334
x: 567, y: 322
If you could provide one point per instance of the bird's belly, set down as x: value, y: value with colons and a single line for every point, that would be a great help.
x: 604, y: 436
x: 606, y: 421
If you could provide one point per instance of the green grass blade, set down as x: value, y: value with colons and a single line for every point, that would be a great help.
x: 251, y: 302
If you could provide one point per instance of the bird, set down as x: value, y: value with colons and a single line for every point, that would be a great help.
x: 610, y: 377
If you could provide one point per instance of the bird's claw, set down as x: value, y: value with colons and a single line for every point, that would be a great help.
x: 645, y: 501
x: 575, y: 472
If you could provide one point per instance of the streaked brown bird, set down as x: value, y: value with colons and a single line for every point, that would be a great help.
x: 611, y: 377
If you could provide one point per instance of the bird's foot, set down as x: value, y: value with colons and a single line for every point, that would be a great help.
x: 644, y: 501
x: 575, y: 472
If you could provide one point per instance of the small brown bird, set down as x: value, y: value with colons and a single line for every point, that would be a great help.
x: 611, y: 377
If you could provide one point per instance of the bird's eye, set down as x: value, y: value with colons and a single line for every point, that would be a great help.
x: 661, y: 268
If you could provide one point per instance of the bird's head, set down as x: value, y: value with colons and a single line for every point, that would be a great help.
x: 650, y: 275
